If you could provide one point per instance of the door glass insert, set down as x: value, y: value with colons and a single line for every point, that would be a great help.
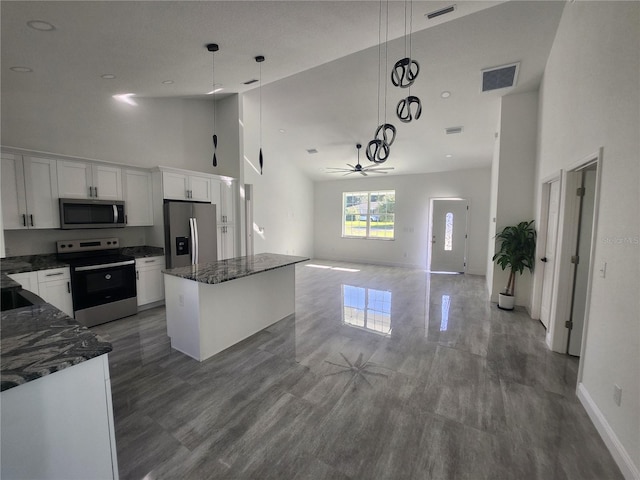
x: 448, y: 231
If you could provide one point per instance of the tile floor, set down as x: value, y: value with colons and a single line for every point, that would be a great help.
x: 382, y: 373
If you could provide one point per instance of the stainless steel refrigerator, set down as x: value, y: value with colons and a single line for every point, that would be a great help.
x: 190, y: 233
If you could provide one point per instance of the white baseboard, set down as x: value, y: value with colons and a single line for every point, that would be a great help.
x: 619, y: 453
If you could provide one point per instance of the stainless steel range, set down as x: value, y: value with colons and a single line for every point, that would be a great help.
x: 103, y: 281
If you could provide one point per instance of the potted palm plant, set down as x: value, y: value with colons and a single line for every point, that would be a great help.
x: 516, y: 252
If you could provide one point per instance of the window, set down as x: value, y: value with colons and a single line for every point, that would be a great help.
x: 368, y: 214
x: 448, y: 231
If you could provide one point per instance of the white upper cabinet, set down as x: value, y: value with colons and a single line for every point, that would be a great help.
x: 223, y: 195
x: 89, y: 180
x: 138, y: 197
x: 29, y: 192
x: 186, y: 186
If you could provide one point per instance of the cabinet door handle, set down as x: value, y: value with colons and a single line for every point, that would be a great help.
x: 68, y: 288
x: 24, y: 220
x: 137, y: 275
x: 31, y: 217
x: 95, y: 189
x: 149, y: 261
x: 53, y: 274
x: 126, y: 219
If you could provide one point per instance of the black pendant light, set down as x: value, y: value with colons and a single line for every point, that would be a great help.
x: 379, y: 149
x: 260, y: 59
x: 213, y: 47
x: 405, y: 72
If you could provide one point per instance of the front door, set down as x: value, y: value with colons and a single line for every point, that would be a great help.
x: 448, y: 235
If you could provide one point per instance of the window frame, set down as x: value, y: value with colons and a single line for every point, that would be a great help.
x: 368, y: 215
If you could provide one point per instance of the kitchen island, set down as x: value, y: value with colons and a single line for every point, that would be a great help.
x: 56, y: 415
x: 213, y: 306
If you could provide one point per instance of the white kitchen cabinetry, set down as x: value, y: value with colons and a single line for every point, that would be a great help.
x: 223, y: 195
x: 60, y: 425
x: 138, y: 197
x: 29, y: 192
x: 28, y: 280
x: 226, y: 242
x: 149, y: 280
x: 186, y: 186
x: 89, y: 180
x: 54, y: 287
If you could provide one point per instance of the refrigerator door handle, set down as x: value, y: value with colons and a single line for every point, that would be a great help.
x: 195, y: 228
x: 193, y: 241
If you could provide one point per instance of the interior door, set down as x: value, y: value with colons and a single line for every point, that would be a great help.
x: 550, y: 252
x: 449, y: 235
x: 581, y: 280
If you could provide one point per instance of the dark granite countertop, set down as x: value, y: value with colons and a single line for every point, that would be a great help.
x: 38, y: 340
x: 7, y: 283
x: 45, y: 261
x: 232, y: 268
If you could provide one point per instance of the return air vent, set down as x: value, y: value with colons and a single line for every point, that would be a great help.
x: 500, y: 77
x: 251, y: 81
x: 453, y: 130
x: 442, y: 11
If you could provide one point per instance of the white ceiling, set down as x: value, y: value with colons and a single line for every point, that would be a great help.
x: 320, y: 77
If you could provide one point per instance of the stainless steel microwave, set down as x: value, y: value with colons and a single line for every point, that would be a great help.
x: 78, y: 213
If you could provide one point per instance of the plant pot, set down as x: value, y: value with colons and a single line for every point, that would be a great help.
x: 506, y: 302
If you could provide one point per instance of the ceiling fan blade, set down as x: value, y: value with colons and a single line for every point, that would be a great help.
x: 351, y: 166
x: 339, y: 169
x: 363, y: 174
x: 348, y: 173
x: 377, y: 171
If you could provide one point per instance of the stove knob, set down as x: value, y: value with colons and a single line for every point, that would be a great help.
x: 70, y: 245
x: 62, y: 246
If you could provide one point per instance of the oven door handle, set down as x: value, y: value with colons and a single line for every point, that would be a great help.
x: 103, y: 266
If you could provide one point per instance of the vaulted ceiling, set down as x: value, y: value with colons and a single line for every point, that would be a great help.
x: 321, y: 77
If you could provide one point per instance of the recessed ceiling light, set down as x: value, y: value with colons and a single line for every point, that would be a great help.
x: 40, y: 25
x: 167, y: 82
x: 282, y: 130
x: 108, y: 76
x: 445, y: 94
x: 20, y: 69
x: 448, y: 155
x: 126, y: 98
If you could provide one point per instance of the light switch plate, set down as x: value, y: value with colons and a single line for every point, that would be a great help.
x: 617, y: 394
x: 603, y: 270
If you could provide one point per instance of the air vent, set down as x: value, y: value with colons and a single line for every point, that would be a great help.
x: 453, y: 130
x: 311, y: 151
x: 442, y: 11
x: 251, y: 81
x: 500, y: 77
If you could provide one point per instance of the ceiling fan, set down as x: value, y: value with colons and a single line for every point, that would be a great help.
x: 359, y: 168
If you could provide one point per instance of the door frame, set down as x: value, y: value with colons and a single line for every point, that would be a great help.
x: 430, y: 230
x: 557, y: 335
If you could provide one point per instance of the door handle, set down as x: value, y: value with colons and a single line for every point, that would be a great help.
x: 544, y: 259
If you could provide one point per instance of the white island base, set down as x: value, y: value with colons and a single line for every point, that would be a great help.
x: 204, y: 319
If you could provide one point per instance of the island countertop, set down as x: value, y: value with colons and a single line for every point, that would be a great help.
x: 232, y: 268
x: 40, y: 339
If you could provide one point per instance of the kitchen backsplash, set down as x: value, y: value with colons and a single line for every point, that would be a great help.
x: 32, y: 242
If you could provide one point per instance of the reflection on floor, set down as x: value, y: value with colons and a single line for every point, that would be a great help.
x: 455, y: 388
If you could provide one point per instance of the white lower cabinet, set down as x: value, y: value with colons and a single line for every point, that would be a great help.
x: 149, y: 280
x: 52, y: 285
x: 28, y: 280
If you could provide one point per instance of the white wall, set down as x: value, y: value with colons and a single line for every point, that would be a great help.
x: 413, y: 193
x: 516, y: 173
x: 493, y: 208
x: 590, y: 99
x: 282, y: 196
x: 158, y: 131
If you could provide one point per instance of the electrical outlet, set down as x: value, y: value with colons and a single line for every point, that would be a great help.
x: 617, y: 394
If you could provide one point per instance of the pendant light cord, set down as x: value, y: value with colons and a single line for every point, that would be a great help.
x: 213, y: 86
x: 386, y: 65
x: 260, y: 95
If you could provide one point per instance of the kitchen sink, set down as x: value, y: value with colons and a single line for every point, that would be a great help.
x: 18, y: 298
